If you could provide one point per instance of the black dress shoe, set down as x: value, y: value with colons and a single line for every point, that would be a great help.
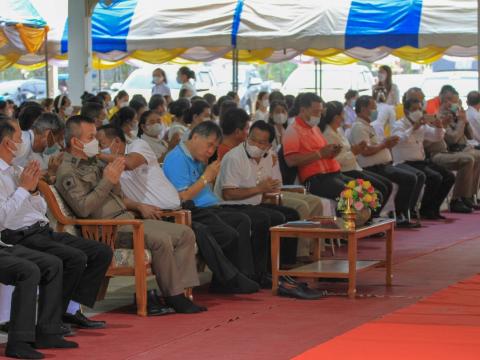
x: 299, y: 293
x: 471, y: 203
x: 53, y: 342
x: 458, y: 206
x: 67, y: 330
x: 81, y: 321
x: 22, y: 350
x: 405, y: 224
x: 429, y: 215
x: 154, y: 305
x: 440, y: 216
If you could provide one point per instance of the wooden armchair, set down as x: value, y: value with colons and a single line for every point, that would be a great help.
x: 105, y: 230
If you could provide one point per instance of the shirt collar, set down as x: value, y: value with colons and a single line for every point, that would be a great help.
x: 3, y: 165
x: 363, y: 121
x: 299, y: 121
x: 184, y: 148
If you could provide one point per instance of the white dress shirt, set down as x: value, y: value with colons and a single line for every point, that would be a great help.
x: 18, y: 208
x: 345, y: 158
x: 386, y: 116
x: 363, y: 131
x: 158, y: 145
x: 238, y: 170
x: 473, y: 117
x: 410, y: 147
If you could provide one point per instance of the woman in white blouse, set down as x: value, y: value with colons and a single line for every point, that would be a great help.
x: 385, y: 81
x: 331, y: 126
x: 261, y: 107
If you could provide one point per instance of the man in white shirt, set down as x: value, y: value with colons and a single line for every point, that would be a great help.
x: 376, y: 157
x: 23, y: 222
x: 473, y: 113
x: 412, y: 130
x: 41, y: 141
x: 144, y: 181
x: 246, y: 177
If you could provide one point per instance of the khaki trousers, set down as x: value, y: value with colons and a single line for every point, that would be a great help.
x: 307, y: 205
x: 173, y: 253
x: 467, y: 166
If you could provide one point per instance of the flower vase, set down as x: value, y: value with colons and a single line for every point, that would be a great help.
x: 362, y: 216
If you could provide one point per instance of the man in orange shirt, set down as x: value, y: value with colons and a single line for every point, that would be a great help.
x: 446, y: 93
x: 305, y: 147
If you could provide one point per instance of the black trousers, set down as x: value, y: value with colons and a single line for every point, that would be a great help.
x: 85, y: 262
x: 327, y: 185
x: 26, y: 269
x: 407, y: 185
x: 438, y: 183
x: 231, y: 232
x: 263, y: 217
x: 379, y: 182
x: 421, y: 179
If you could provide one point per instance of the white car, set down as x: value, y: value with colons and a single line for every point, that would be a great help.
x: 462, y: 81
x: 333, y: 80
x: 140, y: 81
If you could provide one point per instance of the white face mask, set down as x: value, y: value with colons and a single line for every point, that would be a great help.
x: 106, y: 151
x: 254, y: 151
x: 123, y: 104
x: 91, y: 148
x: 382, y: 77
x: 313, y: 121
x: 105, y: 122
x: 265, y: 103
x: 154, y: 130
x: 157, y: 80
x: 280, y: 118
x: 20, y: 149
x: 68, y: 111
x: 207, y: 119
x: 416, y: 115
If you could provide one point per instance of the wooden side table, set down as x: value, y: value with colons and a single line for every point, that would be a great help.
x: 332, y: 268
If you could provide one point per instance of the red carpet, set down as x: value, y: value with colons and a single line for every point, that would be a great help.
x: 443, y: 326
x: 261, y: 326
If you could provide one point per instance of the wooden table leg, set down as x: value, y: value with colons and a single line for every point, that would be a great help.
x: 352, y: 265
x: 389, y: 256
x: 275, y: 251
x: 317, y: 249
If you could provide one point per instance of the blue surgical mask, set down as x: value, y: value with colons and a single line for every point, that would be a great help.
x: 373, y: 115
x: 106, y: 151
x: 51, y: 150
x: 352, y: 103
x: 454, y: 108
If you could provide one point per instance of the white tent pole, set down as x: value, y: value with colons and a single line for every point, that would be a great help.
x: 478, y: 42
x: 47, y: 77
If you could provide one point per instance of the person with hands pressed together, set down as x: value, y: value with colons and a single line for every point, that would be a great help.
x: 92, y: 190
x: 23, y: 222
x: 376, y: 158
x: 412, y: 130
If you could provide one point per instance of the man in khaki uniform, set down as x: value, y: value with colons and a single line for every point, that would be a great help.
x: 93, y: 191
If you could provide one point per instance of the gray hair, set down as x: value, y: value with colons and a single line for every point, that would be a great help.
x: 47, y: 121
x: 206, y: 129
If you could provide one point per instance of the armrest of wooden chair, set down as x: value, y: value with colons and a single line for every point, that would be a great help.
x: 272, y: 198
x: 294, y: 188
x: 105, y: 230
x: 181, y: 216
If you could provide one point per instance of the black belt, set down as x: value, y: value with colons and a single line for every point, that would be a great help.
x: 39, y: 225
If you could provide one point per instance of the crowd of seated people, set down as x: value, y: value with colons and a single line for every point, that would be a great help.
x: 127, y: 158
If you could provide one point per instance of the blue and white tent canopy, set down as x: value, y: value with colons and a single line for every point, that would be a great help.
x: 273, y: 30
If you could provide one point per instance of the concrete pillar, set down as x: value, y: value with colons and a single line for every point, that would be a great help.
x: 52, y: 81
x: 79, y: 49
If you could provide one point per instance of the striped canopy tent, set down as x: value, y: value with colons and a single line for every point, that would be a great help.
x: 338, y: 32
x: 22, y: 31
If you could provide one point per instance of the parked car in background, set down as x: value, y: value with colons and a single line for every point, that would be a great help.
x: 140, y: 81
x: 462, y: 81
x: 21, y: 90
x: 334, y: 81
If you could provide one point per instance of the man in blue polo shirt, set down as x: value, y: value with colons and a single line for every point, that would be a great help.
x: 185, y: 167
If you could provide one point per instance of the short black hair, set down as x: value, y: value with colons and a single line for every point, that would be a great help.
x: 306, y: 100
x: 137, y: 105
x: 3, y: 105
x: 72, y: 127
x: 263, y: 126
x: 350, y: 94
x: 103, y: 95
x: 408, y: 103
x: 210, y: 98
x: 6, y: 129
x: 473, y: 98
x: 178, y: 107
x: 234, y: 119
x: 91, y: 109
x: 112, y: 132
x: 334, y: 108
x: 276, y: 96
x: 155, y: 101
x: 206, y: 129
x: 362, y: 102
x: 448, y: 89
x: 139, y: 98
x: 225, y: 107
x: 123, y: 116
x: 120, y: 94
x: 28, y: 115
x: 197, y: 107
